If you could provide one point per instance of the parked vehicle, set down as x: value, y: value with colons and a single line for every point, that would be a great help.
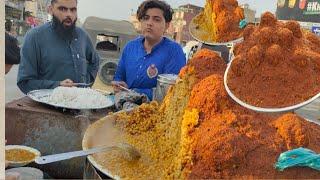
x: 109, y: 37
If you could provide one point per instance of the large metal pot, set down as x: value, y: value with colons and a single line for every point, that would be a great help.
x: 100, y: 133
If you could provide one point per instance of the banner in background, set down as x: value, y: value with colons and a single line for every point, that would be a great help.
x: 299, y: 10
x: 316, y: 30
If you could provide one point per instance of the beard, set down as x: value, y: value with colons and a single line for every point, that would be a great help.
x: 66, y: 32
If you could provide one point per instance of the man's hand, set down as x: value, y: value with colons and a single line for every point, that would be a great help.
x: 67, y: 83
x: 115, y: 85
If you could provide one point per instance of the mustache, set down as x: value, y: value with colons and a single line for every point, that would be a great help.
x: 68, y: 19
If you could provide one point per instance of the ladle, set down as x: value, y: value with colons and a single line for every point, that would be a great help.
x: 129, y: 153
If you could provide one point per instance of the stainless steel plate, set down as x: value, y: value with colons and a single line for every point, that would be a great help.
x: 43, y: 96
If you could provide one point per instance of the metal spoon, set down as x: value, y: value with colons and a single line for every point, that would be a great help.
x: 128, y: 152
x: 124, y: 88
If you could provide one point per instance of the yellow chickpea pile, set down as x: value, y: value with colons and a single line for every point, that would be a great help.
x: 159, y: 133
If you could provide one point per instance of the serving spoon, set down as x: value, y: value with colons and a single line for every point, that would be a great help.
x: 129, y: 153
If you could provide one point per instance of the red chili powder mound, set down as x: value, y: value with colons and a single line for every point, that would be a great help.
x: 277, y: 64
x: 233, y: 142
x: 204, y: 63
x: 228, y: 16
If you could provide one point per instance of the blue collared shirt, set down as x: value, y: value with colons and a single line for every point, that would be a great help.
x: 47, y: 59
x: 139, y: 69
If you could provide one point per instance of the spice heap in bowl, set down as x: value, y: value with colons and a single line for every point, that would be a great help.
x: 219, y: 22
x: 276, y: 66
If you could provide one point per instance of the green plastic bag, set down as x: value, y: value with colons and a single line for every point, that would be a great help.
x: 243, y: 23
x: 300, y: 157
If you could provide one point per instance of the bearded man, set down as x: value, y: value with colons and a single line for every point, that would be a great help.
x: 57, y: 53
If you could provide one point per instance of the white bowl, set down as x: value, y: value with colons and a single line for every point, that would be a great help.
x: 22, y: 163
x: 263, y: 109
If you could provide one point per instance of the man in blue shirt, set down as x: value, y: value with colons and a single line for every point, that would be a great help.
x: 144, y: 58
x: 57, y: 53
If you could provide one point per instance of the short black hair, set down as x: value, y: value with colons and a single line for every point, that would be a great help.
x: 149, y: 4
x: 54, y: 1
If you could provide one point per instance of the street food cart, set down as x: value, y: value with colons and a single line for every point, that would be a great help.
x: 51, y: 130
x: 197, y: 132
x: 54, y: 130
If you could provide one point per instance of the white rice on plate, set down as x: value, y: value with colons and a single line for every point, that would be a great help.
x: 78, y: 97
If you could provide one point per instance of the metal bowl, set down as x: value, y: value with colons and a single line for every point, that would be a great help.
x: 92, y: 133
x: 22, y: 163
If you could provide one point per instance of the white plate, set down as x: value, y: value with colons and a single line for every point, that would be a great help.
x: 43, y: 95
x: 261, y: 109
x: 22, y: 163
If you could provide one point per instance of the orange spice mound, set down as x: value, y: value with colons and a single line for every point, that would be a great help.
x: 233, y: 142
x: 277, y: 64
x: 205, y: 63
x: 219, y: 22
x: 212, y: 104
x: 228, y: 14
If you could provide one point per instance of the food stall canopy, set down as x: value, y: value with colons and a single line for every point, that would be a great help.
x: 299, y: 10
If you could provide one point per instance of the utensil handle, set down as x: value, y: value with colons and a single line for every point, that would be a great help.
x: 68, y: 155
x: 83, y: 84
x: 124, y: 88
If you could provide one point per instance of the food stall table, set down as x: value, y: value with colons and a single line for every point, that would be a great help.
x: 50, y: 130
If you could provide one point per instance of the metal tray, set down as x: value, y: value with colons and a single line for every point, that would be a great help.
x: 43, y: 96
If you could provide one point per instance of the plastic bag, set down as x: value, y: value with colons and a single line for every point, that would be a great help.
x: 300, y: 157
